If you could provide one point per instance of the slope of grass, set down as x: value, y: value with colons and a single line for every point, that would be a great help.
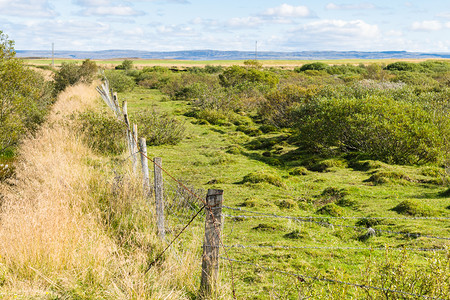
x: 207, y: 162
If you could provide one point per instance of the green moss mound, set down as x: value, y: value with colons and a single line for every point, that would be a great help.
x: 414, y: 208
x: 263, y: 177
x: 330, y: 209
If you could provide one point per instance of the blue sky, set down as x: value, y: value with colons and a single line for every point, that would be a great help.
x: 166, y: 25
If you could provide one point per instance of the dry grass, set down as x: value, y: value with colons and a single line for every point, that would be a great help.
x: 56, y: 239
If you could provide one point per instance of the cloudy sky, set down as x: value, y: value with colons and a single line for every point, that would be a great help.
x: 277, y: 25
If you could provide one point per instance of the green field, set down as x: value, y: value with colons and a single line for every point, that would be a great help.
x: 206, y: 158
x: 186, y: 63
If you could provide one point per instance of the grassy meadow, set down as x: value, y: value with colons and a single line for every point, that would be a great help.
x: 335, y: 178
x: 266, y: 170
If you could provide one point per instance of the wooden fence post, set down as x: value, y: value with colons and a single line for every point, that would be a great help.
x: 144, y: 164
x: 130, y: 138
x: 135, y: 150
x: 159, y: 196
x: 211, y: 243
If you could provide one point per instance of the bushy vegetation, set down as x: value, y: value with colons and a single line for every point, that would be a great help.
x: 72, y: 73
x: 103, y: 132
x: 396, y: 114
x: 158, y: 128
x: 24, y: 97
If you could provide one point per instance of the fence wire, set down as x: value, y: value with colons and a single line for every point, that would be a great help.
x: 331, y: 225
x: 303, y: 277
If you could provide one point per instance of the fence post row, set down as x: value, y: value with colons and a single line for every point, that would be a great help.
x: 211, y: 243
x: 159, y: 199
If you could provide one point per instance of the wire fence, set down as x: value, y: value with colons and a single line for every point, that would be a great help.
x: 183, y: 205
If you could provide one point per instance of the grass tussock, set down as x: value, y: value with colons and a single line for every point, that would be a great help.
x: 67, y: 231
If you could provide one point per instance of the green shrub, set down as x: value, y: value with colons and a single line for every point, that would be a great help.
x: 72, y: 73
x: 236, y: 75
x: 380, y: 127
x: 414, y: 208
x: 158, y: 128
x: 119, y: 81
x: 103, y: 132
x: 315, y: 66
x: 125, y: 65
x: 401, y: 66
x: 262, y: 176
x: 25, y: 97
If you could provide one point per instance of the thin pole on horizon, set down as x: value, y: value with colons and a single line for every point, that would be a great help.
x: 53, y: 55
x: 256, y: 50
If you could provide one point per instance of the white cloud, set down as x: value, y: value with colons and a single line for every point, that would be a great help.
x: 360, y: 6
x: 427, y: 26
x: 111, y: 11
x: 245, y: 22
x: 340, y: 28
x: 393, y: 32
x: 175, y: 30
x: 288, y: 11
x: 92, y: 3
x: 28, y: 8
x: 445, y: 15
x: 334, y: 34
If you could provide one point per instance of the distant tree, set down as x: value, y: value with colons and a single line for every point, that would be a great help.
x: 253, y: 63
x: 315, y: 66
x: 72, y: 73
x: 126, y: 65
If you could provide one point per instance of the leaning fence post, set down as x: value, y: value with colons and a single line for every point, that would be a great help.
x: 211, y: 243
x: 159, y: 199
x: 144, y: 164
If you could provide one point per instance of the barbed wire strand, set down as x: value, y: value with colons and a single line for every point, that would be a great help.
x: 310, y: 220
x: 343, y: 218
x: 333, y: 280
x: 338, y: 248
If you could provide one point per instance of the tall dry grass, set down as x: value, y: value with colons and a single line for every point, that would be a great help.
x: 66, y: 233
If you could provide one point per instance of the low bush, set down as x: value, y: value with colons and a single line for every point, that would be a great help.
x: 380, y: 127
x: 158, y: 128
x: 103, y: 132
x: 119, y: 81
x: 72, y: 73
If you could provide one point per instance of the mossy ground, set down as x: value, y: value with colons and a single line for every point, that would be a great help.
x: 221, y: 157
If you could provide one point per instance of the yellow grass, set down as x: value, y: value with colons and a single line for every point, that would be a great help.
x: 54, y: 241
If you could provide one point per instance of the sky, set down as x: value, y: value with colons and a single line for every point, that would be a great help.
x: 269, y: 25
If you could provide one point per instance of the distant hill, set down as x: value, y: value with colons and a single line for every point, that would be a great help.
x: 229, y: 55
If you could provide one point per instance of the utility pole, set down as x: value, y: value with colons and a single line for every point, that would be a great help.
x: 53, y: 55
x: 256, y: 50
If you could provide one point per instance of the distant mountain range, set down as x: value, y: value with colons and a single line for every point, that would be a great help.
x: 229, y: 55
